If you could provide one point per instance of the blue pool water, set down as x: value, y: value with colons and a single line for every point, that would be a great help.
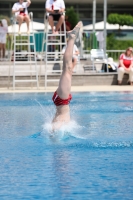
x: 90, y: 159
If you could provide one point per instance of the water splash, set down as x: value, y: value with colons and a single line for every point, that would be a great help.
x: 94, y: 134
x: 71, y: 129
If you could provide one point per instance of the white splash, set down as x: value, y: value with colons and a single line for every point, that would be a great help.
x: 70, y: 129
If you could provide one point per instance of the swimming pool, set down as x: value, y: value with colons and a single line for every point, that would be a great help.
x: 92, y: 158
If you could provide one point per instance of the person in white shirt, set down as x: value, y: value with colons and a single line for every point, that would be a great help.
x: 75, y: 54
x: 21, y: 13
x: 3, y: 33
x: 55, y: 9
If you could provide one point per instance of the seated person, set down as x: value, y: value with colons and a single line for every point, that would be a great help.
x: 126, y: 65
x: 21, y: 13
x: 68, y: 24
x: 75, y: 54
x: 55, y: 9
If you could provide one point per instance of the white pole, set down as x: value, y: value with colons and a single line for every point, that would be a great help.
x: 94, y: 15
x: 105, y: 20
x: 94, y: 18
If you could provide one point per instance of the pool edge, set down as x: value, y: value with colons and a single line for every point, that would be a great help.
x: 100, y: 88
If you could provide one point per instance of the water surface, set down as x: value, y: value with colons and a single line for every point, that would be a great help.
x: 91, y: 158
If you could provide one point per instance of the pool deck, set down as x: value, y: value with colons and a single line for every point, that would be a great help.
x: 106, y: 88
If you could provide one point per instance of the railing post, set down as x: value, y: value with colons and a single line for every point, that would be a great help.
x: 105, y: 30
x: 94, y: 21
x: 105, y: 20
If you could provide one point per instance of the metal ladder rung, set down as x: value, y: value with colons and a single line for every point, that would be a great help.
x: 54, y: 55
x: 25, y: 62
x: 50, y: 53
x: 23, y: 34
x: 24, y: 71
x: 20, y: 53
x: 50, y: 34
x: 52, y: 43
x: 55, y: 40
x: 28, y: 80
x: 16, y: 44
x: 60, y: 61
x: 54, y: 58
x: 52, y: 80
x: 54, y: 71
x: 24, y: 39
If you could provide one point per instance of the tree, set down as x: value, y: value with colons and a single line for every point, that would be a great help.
x: 122, y: 20
x: 73, y: 17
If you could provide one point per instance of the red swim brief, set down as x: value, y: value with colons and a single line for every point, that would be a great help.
x: 58, y: 101
x: 23, y: 14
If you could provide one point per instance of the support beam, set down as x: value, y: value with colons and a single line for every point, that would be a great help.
x: 105, y: 20
x: 94, y: 21
x: 94, y: 15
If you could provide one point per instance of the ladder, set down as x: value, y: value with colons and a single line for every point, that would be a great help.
x: 52, y: 49
x: 24, y: 57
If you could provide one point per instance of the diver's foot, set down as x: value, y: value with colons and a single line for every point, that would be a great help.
x: 74, y: 33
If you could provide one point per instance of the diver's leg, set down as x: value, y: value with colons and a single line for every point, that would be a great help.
x: 64, y: 87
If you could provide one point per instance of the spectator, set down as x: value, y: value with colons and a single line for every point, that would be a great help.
x: 21, y: 13
x: 3, y: 32
x: 75, y: 54
x: 126, y: 65
x: 55, y: 9
x: 68, y: 25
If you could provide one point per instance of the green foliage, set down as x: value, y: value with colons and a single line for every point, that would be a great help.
x: 87, y: 43
x: 5, y: 17
x: 113, y: 44
x: 113, y: 18
x: 73, y: 17
x: 122, y: 20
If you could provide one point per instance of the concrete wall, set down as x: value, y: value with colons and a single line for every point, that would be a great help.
x: 77, y: 80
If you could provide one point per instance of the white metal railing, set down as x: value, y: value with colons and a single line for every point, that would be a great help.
x: 115, y: 54
x: 85, y: 57
x: 86, y: 46
x: 111, y: 53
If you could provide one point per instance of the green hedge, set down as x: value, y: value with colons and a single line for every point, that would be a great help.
x: 121, y: 19
x: 113, y: 44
